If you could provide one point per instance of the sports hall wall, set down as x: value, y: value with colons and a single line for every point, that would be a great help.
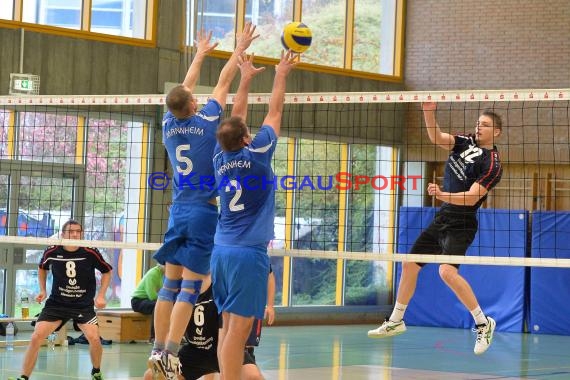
x: 77, y: 66
x: 509, y: 44
x: 470, y: 44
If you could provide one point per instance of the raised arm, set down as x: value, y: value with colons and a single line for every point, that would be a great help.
x: 288, y: 61
x: 203, y: 48
x: 436, y: 136
x: 248, y: 72
x: 230, y: 69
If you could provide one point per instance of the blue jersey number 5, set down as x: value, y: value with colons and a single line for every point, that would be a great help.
x: 183, y: 160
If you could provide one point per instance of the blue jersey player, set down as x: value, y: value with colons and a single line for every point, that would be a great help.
x: 472, y: 169
x: 244, y: 178
x: 189, y: 138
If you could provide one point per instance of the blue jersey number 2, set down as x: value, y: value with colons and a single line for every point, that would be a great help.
x: 234, y: 206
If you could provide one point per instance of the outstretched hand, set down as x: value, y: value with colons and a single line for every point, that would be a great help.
x: 202, y: 43
x: 289, y: 60
x: 245, y: 64
x: 245, y: 39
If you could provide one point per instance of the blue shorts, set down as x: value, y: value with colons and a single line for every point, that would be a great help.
x: 239, y: 279
x: 190, y: 237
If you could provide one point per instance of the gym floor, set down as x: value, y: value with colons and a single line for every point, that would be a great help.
x: 339, y: 352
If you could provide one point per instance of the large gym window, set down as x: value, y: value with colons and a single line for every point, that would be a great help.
x: 7, y: 10
x: 118, y: 18
x: 126, y: 18
x: 359, y: 37
x: 62, y: 13
x: 4, y: 131
x: 58, y: 163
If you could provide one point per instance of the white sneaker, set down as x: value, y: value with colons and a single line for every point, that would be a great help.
x: 484, y: 336
x: 152, y: 362
x: 168, y: 367
x: 387, y: 329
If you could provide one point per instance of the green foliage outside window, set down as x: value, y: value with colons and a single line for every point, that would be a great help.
x: 327, y: 21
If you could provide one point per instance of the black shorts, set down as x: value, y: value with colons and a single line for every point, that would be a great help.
x: 248, y: 356
x: 448, y: 234
x: 197, y: 363
x: 51, y: 313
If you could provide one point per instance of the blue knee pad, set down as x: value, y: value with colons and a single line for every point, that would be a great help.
x: 189, y: 296
x: 169, y: 295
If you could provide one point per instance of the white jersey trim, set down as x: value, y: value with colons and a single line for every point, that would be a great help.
x: 208, y: 118
x: 262, y: 149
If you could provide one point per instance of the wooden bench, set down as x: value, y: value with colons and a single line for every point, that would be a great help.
x: 61, y: 334
x: 124, y: 325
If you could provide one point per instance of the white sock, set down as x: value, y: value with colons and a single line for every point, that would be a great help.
x: 398, y: 312
x: 479, y: 316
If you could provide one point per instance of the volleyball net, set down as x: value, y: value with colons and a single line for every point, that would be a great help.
x: 351, y: 173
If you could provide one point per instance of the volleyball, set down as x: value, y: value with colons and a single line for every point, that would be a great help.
x: 296, y: 36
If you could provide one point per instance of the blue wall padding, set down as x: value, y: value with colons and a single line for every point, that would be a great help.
x: 500, y: 290
x: 550, y: 287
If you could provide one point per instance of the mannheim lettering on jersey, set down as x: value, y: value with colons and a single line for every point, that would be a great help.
x: 234, y: 164
x: 185, y: 131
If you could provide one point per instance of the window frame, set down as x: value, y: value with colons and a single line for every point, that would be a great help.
x: 287, y: 268
x: 398, y: 47
x: 15, y: 164
x: 84, y: 32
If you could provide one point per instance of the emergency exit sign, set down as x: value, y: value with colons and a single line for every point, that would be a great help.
x: 24, y: 84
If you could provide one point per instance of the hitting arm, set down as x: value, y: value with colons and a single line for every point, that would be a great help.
x: 436, y: 136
